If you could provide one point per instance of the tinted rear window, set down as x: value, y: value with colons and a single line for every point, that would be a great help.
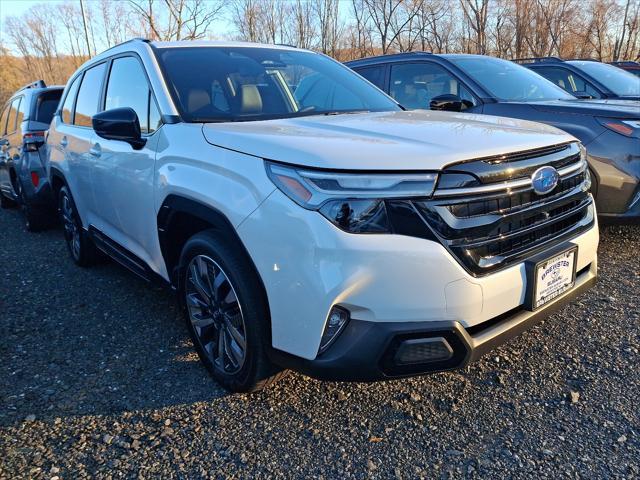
x: 46, y: 106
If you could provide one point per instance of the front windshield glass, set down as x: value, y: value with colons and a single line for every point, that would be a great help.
x: 230, y: 84
x: 509, y: 81
x: 621, y: 83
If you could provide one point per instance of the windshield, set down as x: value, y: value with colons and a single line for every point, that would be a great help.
x: 508, y: 81
x: 230, y: 84
x: 621, y: 83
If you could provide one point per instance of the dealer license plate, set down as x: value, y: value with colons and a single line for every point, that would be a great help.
x: 553, y: 277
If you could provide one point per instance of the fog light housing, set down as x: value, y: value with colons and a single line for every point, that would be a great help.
x: 423, y: 350
x: 337, y: 320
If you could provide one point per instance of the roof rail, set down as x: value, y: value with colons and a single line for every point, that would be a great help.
x: 136, y: 39
x: 36, y: 84
x: 537, y: 60
x: 625, y: 63
x: 390, y: 55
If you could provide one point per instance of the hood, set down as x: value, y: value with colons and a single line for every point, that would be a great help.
x: 614, y: 108
x: 416, y: 140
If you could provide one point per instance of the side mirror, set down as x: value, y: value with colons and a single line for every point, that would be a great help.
x: 119, y: 124
x: 3, y: 142
x: 446, y: 102
x: 582, y: 95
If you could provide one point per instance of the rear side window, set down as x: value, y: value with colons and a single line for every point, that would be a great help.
x: 3, y: 120
x: 374, y: 74
x: 567, y: 80
x: 12, y: 124
x: 88, y: 96
x: 22, y: 112
x: 46, y: 106
x: 67, y: 108
x: 128, y: 87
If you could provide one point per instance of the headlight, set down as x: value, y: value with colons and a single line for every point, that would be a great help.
x: 628, y: 128
x: 355, y: 202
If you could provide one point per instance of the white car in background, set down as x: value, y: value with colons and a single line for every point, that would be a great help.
x: 307, y: 221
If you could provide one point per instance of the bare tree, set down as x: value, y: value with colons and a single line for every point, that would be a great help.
x: 476, y: 14
x: 176, y: 19
x: 329, y: 25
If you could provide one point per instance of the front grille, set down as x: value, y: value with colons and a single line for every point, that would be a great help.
x: 496, y: 223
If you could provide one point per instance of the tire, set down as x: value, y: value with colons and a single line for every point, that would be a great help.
x: 6, y: 202
x: 224, y: 319
x: 35, y: 220
x: 81, y: 247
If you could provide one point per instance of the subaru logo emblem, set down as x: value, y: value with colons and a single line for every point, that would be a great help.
x: 544, y: 180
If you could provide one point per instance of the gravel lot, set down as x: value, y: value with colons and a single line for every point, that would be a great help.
x: 97, y: 378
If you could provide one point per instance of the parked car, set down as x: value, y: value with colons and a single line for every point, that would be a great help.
x: 629, y: 66
x: 481, y: 84
x: 307, y: 221
x: 24, y: 122
x: 586, y: 78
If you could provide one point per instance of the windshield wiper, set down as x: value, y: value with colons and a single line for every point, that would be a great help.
x: 343, y: 112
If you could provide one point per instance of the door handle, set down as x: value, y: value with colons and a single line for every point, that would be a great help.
x: 96, y: 150
x: 64, y: 142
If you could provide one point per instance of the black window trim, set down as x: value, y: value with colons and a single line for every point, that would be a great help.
x: 103, y: 97
x: 479, y: 101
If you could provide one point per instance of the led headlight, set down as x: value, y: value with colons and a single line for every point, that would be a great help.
x: 355, y: 202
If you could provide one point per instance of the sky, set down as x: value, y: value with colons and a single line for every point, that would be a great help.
x: 17, y: 7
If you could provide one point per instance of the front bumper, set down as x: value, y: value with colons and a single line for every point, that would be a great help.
x: 308, y: 265
x: 369, y: 351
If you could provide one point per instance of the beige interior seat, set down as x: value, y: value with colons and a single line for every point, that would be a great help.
x: 251, y: 101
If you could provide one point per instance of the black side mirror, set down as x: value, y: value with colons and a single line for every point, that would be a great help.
x: 119, y: 124
x: 3, y: 142
x: 582, y: 95
x: 446, y: 102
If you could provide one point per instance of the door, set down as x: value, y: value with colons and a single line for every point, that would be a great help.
x: 123, y: 178
x: 76, y: 139
x: 414, y: 85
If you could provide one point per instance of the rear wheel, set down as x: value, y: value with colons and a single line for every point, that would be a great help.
x: 82, y: 250
x: 226, y: 312
x: 6, y: 202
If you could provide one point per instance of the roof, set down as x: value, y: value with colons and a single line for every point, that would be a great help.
x: 210, y: 43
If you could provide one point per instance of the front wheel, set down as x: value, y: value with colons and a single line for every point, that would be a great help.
x: 226, y: 312
x: 81, y: 247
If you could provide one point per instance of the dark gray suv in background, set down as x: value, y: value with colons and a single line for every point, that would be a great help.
x: 610, y: 130
x: 24, y: 123
x: 586, y: 78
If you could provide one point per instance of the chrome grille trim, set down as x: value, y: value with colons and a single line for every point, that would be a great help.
x: 495, y: 224
x: 510, y: 185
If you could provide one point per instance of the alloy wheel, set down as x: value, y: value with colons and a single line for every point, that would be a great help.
x: 71, y: 230
x: 215, y: 314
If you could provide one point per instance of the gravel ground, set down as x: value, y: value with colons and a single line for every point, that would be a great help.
x: 98, y: 379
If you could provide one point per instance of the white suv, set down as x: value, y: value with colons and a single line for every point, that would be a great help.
x: 307, y: 221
